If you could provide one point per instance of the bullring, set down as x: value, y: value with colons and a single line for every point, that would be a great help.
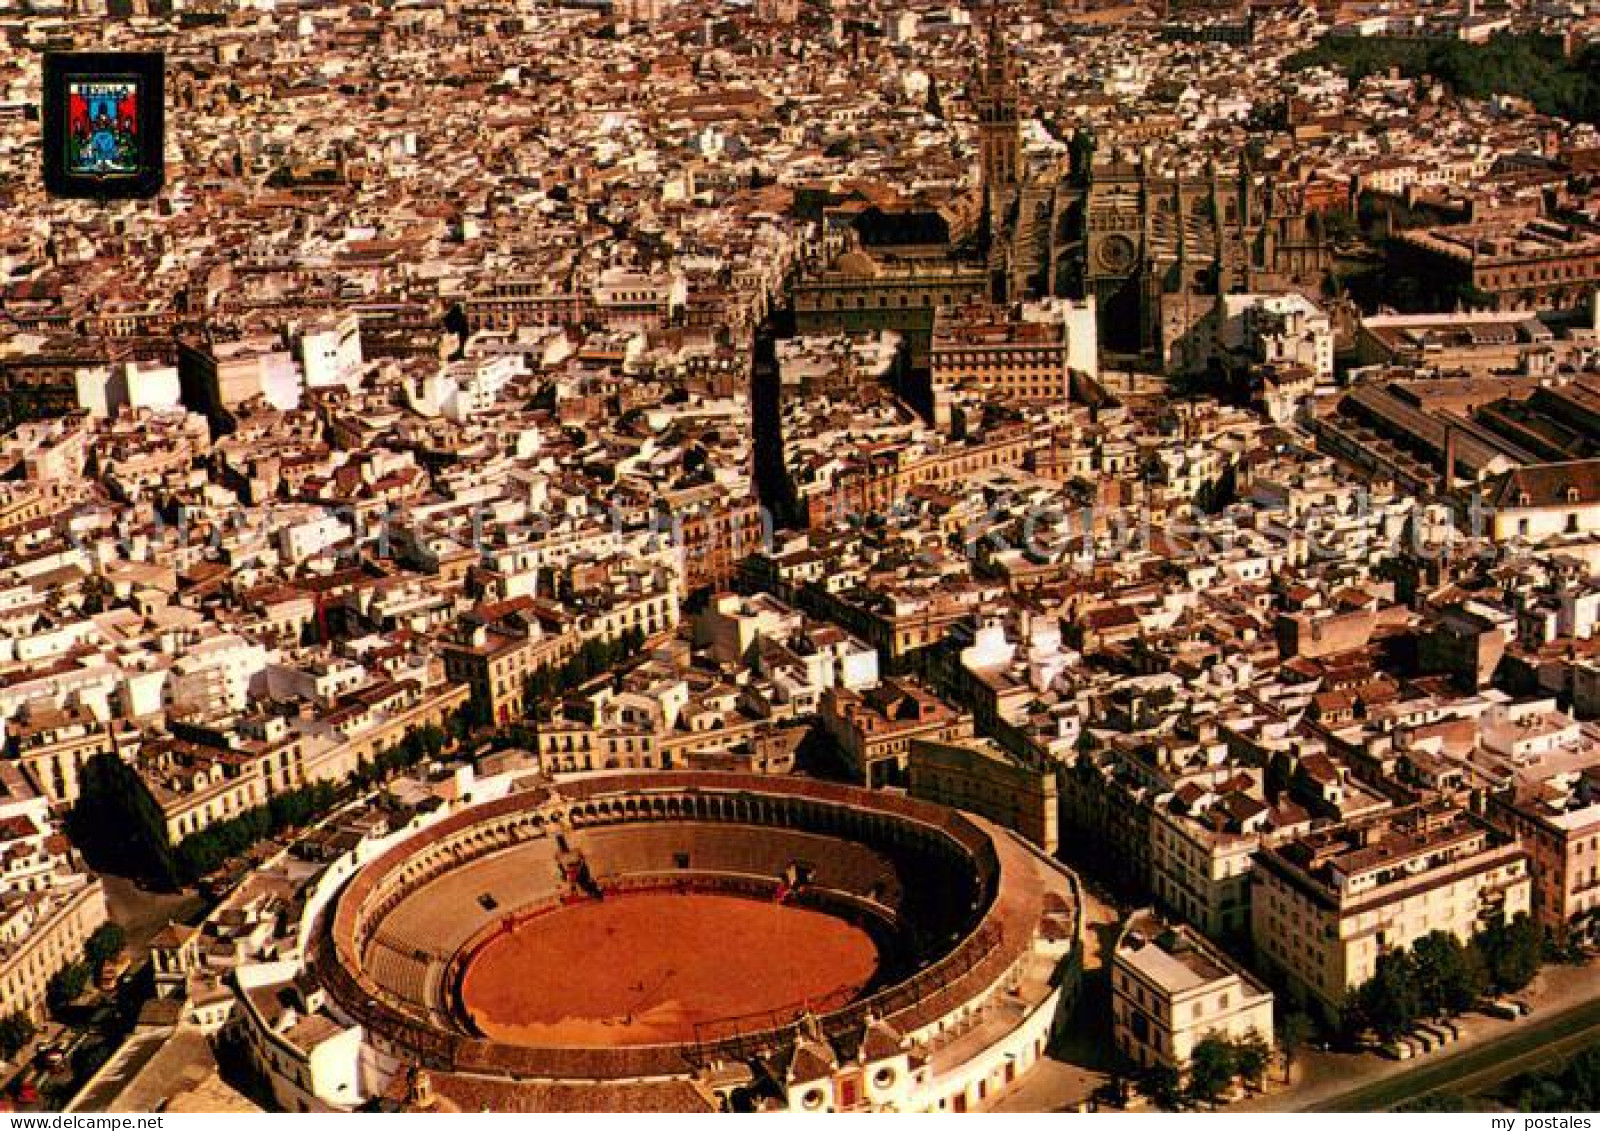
x: 680, y: 940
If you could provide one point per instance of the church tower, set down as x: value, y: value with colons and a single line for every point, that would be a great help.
x: 999, y: 117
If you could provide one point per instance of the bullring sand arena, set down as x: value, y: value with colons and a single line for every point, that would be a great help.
x: 658, y: 964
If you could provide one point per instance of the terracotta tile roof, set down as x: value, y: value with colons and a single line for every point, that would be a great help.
x: 1548, y: 485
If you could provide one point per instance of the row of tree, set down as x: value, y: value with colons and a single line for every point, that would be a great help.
x: 118, y: 824
x: 201, y: 853
x: 422, y: 744
x: 67, y: 984
x: 593, y: 658
x: 1216, y: 1064
x: 1573, y: 1086
x: 1441, y: 976
x: 115, y: 818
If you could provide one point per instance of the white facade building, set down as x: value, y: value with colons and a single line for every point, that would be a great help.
x: 330, y: 352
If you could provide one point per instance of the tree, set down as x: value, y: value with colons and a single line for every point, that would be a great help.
x: 1390, y: 1003
x: 471, y: 716
x: 1296, y: 1031
x: 67, y: 985
x: 16, y: 1030
x: 515, y: 736
x: 1582, y: 1080
x: 1437, y: 1102
x: 1251, y: 1056
x: 116, y: 819
x: 1537, y: 1092
x: 1512, y: 952
x: 431, y: 739
x: 87, y: 1058
x: 1212, y: 1068
x: 104, y: 945
x: 1474, y: 982
x: 1446, y: 978
x: 1162, y: 1086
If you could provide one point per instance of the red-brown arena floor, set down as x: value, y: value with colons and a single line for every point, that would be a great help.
x: 645, y: 968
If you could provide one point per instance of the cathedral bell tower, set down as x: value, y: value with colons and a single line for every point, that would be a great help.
x: 999, y: 116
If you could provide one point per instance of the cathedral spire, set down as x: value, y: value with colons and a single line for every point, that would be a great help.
x: 999, y: 110
x: 997, y: 60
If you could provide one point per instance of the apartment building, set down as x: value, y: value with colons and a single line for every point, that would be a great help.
x: 1518, y: 265
x: 206, y: 773
x: 1022, y: 353
x: 1270, y: 329
x: 1328, y: 903
x: 54, y: 744
x: 41, y: 935
x: 493, y: 663
x: 1547, y: 767
x: 1545, y: 501
x: 1171, y: 989
x: 49, y: 904
x: 1559, y: 824
x: 1202, y: 867
x: 874, y: 729
x: 649, y: 611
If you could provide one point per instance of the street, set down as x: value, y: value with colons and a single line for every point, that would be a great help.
x: 1566, y: 1018
x: 142, y: 913
x: 1471, y: 1071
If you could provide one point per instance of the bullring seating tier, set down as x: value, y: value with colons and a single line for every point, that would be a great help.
x: 412, y: 977
x: 434, y: 920
x: 622, y: 851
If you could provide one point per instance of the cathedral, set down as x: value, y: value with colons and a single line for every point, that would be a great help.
x: 1153, y: 245
x: 1153, y: 248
